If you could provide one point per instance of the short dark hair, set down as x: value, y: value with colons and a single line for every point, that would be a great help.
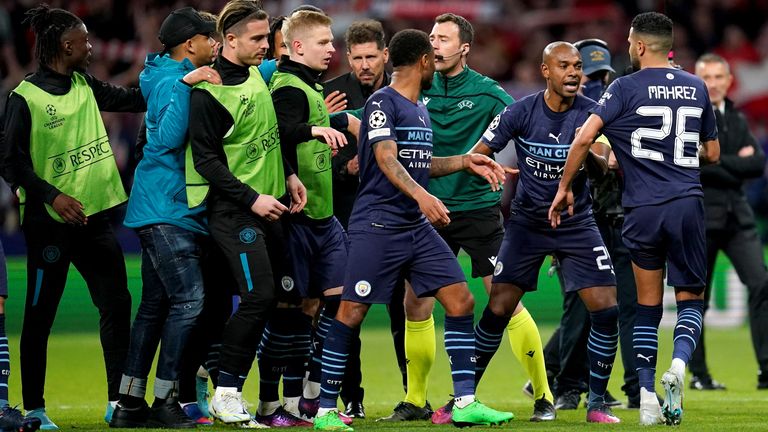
x: 656, y: 25
x: 407, y: 47
x: 49, y: 25
x: 466, y: 31
x: 361, y: 32
x: 237, y: 12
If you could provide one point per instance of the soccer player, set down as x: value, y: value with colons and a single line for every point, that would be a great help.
x: 568, y: 344
x: 316, y: 241
x: 60, y: 158
x: 10, y: 417
x: 655, y: 120
x: 367, y: 55
x: 461, y: 104
x: 730, y: 220
x: 171, y: 233
x: 542, y: 126
x: 390, y: 232
x: 239, y: 169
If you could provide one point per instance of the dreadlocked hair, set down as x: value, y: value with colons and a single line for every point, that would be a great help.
x: 49, y: 24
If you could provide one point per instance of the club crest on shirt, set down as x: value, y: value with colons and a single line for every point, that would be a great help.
x: 287, y: 283
x: 498, y: 269
x: 363, y: 288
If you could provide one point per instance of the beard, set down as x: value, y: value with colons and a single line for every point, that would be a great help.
x: 426, y: 83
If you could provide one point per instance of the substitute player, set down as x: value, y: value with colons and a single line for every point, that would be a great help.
x: 235, y: 146
x: 60, y: 157
x: 390, y: 235
x: 542, y: 126
x: 655, y: 120
x: 317, y: 243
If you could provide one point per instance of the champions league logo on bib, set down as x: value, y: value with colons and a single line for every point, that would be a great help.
x: 287, y: 283
x: 363, y: 288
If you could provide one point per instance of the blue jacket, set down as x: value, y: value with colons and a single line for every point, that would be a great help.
x: 159, y: 185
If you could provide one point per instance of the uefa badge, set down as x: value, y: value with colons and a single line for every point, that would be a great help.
x: 363, y: 288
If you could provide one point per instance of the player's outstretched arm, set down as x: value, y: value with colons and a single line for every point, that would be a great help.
x: 477, y: 164
x: 386, y: 157
x: 710, y: 151
x: 482, y: 148
x: 597, y: 159
x: 576, y: 155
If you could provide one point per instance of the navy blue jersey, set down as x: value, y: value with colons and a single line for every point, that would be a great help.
x: 542, y: 139
x: 655, y: 119
x: 388, y: 115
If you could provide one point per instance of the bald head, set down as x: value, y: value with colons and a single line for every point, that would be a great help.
x: 557, y: 49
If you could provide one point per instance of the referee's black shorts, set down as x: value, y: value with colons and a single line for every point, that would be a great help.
x: 479, y: 232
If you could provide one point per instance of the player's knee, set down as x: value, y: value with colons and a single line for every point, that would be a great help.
x: 352, y: 314
x: 460, y: 306
x: 418, y: 309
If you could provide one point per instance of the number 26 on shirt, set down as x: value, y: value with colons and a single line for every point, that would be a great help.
x: 681, y: 135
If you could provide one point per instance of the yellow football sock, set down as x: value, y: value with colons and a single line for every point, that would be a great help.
x: 420, y: 355
x: 526, y: 345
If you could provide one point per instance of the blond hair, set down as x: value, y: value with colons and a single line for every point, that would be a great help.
x: 297, y: 24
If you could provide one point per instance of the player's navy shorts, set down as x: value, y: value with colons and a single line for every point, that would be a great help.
x: 318, y: 252
x: 479, y: 232
x: 584, y: 259
x: 673, y: 233
x: 378, y: 256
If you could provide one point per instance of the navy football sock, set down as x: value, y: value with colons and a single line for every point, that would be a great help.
x: 601, y: 350
x: 293, y: 378
x: 687, y: 329
x: 645, y: 342
x: 5, y: 363
x: 460, y: 345
x: 335, y: 353
x: 488, y: 334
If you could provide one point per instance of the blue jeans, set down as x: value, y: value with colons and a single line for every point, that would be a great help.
x: 171, y: 300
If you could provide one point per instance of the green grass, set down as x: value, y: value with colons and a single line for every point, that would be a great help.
x: 76, y: 389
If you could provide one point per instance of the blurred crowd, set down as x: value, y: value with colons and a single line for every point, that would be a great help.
x: 510, y: 35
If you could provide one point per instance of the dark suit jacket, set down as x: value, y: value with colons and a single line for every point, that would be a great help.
x: 723, y: 182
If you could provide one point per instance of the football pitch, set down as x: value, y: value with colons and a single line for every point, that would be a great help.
x: 76, y: 389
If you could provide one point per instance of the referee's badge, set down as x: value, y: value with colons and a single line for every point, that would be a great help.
x: 363, y: 288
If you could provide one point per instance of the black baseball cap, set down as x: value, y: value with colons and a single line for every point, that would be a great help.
x: 183, y: 24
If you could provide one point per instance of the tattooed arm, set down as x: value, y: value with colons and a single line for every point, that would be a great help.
x: 386, y: 157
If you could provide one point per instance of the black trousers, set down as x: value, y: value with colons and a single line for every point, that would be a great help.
x: 744, y: 249
x: 257, y: 256
x: 96, y: 254
x: 565, y: 354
